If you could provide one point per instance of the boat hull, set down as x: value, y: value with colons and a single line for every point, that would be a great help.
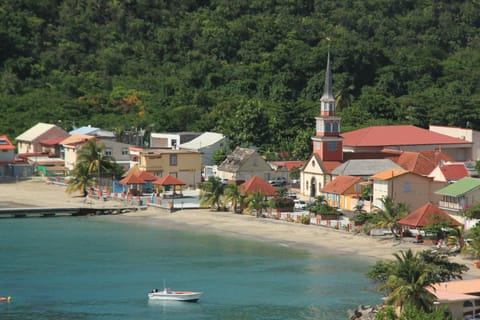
x: 186, y: 296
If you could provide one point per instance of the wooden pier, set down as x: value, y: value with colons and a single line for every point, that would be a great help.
x: 62, y: 212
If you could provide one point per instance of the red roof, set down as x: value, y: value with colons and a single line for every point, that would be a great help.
x: 169, y: 180
x: 132, y: 179
x: 454, y: 171
x: 330, y: 165
x: 5, y: 144
x: 52, y: 142
x: 255, y: 184
x: 378, y: 136
x: 289, y: 164
x: 422, y: 162
x: 145, y: 175
x: 341, y: 184
x: 427, y: 214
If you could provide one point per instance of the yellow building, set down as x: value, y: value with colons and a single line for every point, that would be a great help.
x: 183, y: 164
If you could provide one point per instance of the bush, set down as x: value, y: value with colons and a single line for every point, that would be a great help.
x: 305, y: 219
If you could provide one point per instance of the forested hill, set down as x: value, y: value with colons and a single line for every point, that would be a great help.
x: 251, y: 69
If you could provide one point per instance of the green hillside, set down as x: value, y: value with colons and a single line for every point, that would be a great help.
x: 253, y: 70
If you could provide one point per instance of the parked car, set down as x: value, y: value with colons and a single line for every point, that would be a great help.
x: 278, y: 181
x: 300, y: 204
x: 292, y: 195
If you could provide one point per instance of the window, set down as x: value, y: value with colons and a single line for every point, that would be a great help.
x: 332, y: 146
x: 125, y: 151
x: 335, y: 127
x: 173, y: 159
x: 108, y: 151
x: 328, y: 127
x: 407, y: 187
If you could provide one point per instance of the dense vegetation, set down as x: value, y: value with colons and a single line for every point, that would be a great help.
x: 251, y: 69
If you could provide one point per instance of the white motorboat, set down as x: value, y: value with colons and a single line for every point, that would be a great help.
x: 171, y: 295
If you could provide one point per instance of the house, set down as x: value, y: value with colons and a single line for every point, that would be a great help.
x: 460, y: 195
x: 119, y: 151
x: 171, y: 140
x: 406, y: 138
x: 422, y: 162
x: 182, y: 164
x: 465, y: 134
x: 404, y: 186
x: 7, y: 150
x: 461, y: 297
x: 30, y: 142
x: 344, y: 192
x: 449, y: 172
x: 70, y: 147
x: 7, y: 158
x: 206, y: 143
x: 243, y: 164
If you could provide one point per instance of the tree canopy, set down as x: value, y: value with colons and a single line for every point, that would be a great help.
x: 253, y: 70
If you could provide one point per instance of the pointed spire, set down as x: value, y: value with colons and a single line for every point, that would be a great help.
x: 327, y: 91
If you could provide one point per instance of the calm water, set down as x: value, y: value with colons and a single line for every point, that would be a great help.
x: 88, y: 268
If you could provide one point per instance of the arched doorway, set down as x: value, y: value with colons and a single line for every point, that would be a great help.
x: 313, y: 187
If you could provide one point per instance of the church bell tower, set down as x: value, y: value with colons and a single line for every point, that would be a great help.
x: 328, y: 143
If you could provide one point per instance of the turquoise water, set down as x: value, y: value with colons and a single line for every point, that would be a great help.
x: 89, y: 268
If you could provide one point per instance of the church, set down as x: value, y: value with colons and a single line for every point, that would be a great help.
x: 398, y: 142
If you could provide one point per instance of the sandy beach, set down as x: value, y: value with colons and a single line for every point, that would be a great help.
x: 307, y: 237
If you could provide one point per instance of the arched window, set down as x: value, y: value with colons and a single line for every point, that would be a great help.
x: 335, y: 127
x: 328, y: 127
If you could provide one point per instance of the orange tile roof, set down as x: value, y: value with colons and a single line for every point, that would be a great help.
x: 389, y: 174
x: 5, y: 144
x: 422, y: 162
x: 454, y: 171
x: 76, y: 139
x: 341, y: 184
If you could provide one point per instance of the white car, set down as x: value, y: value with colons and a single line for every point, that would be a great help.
x: 278, y: 181
x: 300, y: 204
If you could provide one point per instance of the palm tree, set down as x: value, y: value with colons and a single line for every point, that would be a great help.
x: 81, y: 179
x: 388, y: 216
x: 409, y: 281
x: 232, y: 195
x: 212, y: 193
x: 97, y: 162
x: 256, y: 200
x: 405, y: 280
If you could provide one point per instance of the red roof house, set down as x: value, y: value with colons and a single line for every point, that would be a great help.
x: 449, y: 172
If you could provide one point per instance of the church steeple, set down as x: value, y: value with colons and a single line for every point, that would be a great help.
x: 327, y: 143
x: 327, y: 90
x: 328, y: 100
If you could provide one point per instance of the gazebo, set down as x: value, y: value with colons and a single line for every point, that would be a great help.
x: 255, y: 184
x: 426, y: 215
x: 130, y: 180
x: 170, y: 180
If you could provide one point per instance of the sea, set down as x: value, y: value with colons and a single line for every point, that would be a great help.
x: 89, y: 268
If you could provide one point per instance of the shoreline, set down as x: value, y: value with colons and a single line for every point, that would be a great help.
x: 311, y: 238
